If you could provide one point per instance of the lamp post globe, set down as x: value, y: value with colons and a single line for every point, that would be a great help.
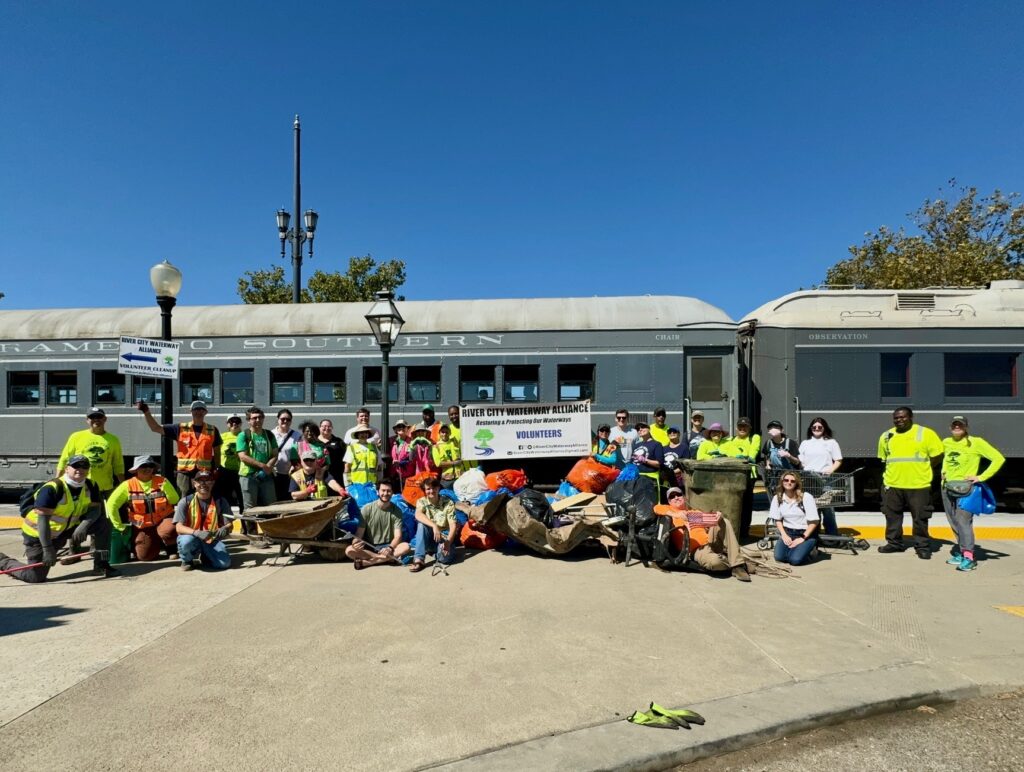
x: 385, y: 322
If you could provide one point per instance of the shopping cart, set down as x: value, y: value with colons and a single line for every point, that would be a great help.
x: 829, y: 491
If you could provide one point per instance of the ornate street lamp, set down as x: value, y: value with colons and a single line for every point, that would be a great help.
x: 385, y: 323
x: 166, y: 281
x: 297, y: 236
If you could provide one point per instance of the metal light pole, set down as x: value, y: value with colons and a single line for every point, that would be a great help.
x: 166, y: 281
x: 296, y: 235
x: 385, y: 323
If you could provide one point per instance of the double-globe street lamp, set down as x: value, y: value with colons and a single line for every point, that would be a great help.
x: 297, y: 236
x: 166, y: 281
x: 386, y: 323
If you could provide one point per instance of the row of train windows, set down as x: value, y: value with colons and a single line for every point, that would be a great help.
x: 477, y: 383
x: 965, y: 375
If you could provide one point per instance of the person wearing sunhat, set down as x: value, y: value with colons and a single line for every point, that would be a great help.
x: 361, y: 457
x: 401, y: 452
x: 422, y: 450
x: 102, y: 448
x: 198, y: 442
x: 202, y: 527
x: 141, y: 509
x: 312, y: 480
x: 713, y: 445
x: 66, y: 510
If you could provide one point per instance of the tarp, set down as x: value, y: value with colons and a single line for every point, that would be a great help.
x: 511, y: 518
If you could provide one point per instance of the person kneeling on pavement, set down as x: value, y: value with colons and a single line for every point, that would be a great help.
x: 68, y: 509
x: 199, y: 520
x: 148, y: 500
x: 434, y: 514
x: 312, y: 480
x: 796, y: 516
x: 380, y: 525
x: 713, y: 543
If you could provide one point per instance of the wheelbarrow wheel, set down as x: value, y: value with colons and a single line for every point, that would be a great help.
x: 333, y: 554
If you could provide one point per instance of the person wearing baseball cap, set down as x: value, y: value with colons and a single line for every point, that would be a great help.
x: 102, y: 448
x: 202, y: 526
x: 198, y: 442
x: 745, y: 445
x: 229, y: 464
x: 713, y: 544
x: 432, y: 424
x: 312, y: 480
x: 695, y: 434
x: 961, y: 463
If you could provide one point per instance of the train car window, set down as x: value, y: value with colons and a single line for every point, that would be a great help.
x: 895, y: 375
x: 62, y: 388
x: 108, y: 388
x: 287, y: 385
x: 981, y: 375
x: 423, y: 384
x: 236, y: 387
x: 575, y: 382
x: 148, y: 389
x: 23, y: 388
x: 371, y: 384
x: 522, y: 383
x: 476, y: 383
x: 196, y: 384
x: 329, y: 385
x: 706, y: 379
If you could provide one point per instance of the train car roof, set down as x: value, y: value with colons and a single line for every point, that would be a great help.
x: 999, y: 305
x: 422, y: 316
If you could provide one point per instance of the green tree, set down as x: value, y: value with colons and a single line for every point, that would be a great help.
x: 363, y: 278
x: 969, y: 241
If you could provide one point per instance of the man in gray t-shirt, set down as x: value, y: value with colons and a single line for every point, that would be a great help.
x: 623, y: 435
x: 379, y: 535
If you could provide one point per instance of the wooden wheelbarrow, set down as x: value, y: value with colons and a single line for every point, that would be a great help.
x: 312, y: 525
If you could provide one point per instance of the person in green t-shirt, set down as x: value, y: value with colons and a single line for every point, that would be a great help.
x: 102, y: 448
x: 257, y: 450
x: 380, y: 526
x: 227, y: 486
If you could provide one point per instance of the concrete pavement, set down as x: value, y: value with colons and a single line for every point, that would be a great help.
x: 510, y: 661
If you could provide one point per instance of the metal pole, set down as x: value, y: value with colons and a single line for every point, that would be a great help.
x: 297, y: 230
x: 167, y: 390
x: 385, y: 428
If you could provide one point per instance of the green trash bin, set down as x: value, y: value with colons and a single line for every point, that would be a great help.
x: 120, y: 546
x: 717, y: 485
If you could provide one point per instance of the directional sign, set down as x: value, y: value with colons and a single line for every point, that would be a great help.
x: 151, y: 358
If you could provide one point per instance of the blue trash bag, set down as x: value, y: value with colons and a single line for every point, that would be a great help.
x: 408, y: 517
x: 363, y: 493
x: 980, y: 500
x: 566, y: 489
x: 350, y: 524
x: 352, y: 508
x: 484, y: 497
x: 628, y: 472
x: 449, y: 494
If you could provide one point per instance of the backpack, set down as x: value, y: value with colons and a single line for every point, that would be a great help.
x: 27, y: 502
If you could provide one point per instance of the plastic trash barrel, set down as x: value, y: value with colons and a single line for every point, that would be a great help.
x: 717, y: 485
x: 120, y: 546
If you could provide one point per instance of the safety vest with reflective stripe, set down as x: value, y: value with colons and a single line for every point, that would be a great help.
x: 195, y: 451
x: 907, y: 456
x: 449, y: 451
x: 196, y: 520
x: 364, y: 463
x: 302, y: 481
x: 67, y: 514
x: 147, y: 508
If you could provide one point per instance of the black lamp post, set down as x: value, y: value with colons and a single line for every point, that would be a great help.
x: 386, y: 323
x: 166, y: 281
x: 296, y: 235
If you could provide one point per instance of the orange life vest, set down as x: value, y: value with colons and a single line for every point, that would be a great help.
x: 195, y: 451
x: 148, y: 508
x: 196, y: 521
x: 698, y: 536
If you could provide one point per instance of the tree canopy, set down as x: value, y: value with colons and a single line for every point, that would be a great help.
x: 961, y: 240
x: 362, y: 280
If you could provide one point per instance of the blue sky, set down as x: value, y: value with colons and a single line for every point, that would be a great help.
x: 729, y: 151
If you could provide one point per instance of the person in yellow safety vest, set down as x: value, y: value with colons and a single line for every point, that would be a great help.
x: 197, y: 441
x: 745, y: 445
x: 67, y: 510
x: 147, y: 500
x: 713, y: 445
x: 312, y: 480
x: 659, y: 430
x: 448, y: 457
x: 201, y: 526
x: 102, y: 448
x: 228, y: 486
x: 911, y: 454
x: 455, y: 422
x: 361, y: 458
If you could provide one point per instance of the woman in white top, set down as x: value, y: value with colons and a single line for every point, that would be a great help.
x: 796, y: 516
x: 820, y: 454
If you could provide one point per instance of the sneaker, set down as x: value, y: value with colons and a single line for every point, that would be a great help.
x: 954, y: 560
x: 891, y: 548
x: 187, y: 566
x: 967, y: 565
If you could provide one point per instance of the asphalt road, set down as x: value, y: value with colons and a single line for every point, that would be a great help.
x: 984, y: 733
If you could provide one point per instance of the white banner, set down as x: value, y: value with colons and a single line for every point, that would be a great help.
x: 525, y: 431
x: 151, y: 358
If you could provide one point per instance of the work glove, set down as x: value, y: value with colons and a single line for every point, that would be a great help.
x: 81, y: 532
x: 201, y: 535
x: 49, y: 556
x: 223, y: 531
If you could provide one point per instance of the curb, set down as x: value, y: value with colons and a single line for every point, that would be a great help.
x: 733, y: 723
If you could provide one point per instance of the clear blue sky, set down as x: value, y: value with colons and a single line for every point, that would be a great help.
x: 730, y: 151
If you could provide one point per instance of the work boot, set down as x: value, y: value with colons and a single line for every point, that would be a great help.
x: 104, y: 570
x: 891, y: 548
x: 739, y: 572
x: 924, y: 553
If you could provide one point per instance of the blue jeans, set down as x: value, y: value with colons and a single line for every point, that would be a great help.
x: 828, y: 521
x: 425, y: 541
x: 214, y: 555
x: 797, y: 555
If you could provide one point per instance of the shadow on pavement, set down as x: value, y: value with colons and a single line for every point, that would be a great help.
x: 23, y: 620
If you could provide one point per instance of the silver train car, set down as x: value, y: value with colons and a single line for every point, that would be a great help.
x: 320, y: 361
x: 853, y: 356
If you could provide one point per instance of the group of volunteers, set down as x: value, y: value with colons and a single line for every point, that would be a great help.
x: 188, y: 518
x: 911, y: 455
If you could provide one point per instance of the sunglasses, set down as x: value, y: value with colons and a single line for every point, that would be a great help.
x: 621, y: 417
x: 789, y: 480
x: 285, y: 419
x: 818, y: 426
x: 675, y: 496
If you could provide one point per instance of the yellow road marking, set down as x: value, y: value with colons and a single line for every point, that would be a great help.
x: 1017, y: 611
